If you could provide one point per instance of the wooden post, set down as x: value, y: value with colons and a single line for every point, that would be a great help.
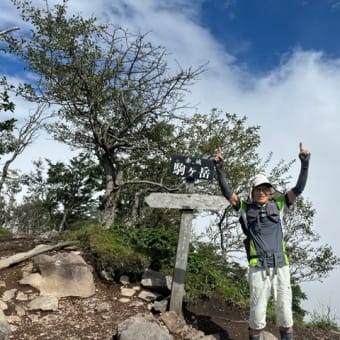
x: 178, y: 279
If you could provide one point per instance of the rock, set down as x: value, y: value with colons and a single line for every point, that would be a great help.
x: 157, y: 281
x: 173, y: 322
x: 61, y: 275
x: 103, y: 307
x: 5, y: 328
x: 20, y: 311
x: 49, y: 235
x: 124, y: 280
x: 21, y: 296
x: 142, y: 326
x: 268, y: 336
x: 148, y: 296
x: 128, y: 292
x: 106, y: 276
x: 160, y: 306
x: 13, y: 319
x: 9, y: 294
x: 44, y: 303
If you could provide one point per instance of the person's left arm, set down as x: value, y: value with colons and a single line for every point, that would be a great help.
x: 304, y: 156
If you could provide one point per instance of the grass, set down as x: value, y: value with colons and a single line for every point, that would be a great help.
x: 324, y: 319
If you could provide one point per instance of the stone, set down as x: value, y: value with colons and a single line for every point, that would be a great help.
x: 156, y: 281
x: 174, y: 322
x: 9, y: 294
x: 5, y: 328
x: 142, y: 326
x: 268, y: 336
x: 21, y: 296
x: 124, y: 280
x: 160, y: 306
x: 127, y: 291
x: 20, y: 311
x: 148, y: 296
x: 61, y: 275
x: 46, y: 303
x: 103, y: 307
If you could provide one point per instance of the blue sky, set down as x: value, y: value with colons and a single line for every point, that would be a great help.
x: 276, y: 62
x: 261, y: 32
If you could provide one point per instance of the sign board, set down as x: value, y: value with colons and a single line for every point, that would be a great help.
x: 192, y: 167
x: 186, y: 201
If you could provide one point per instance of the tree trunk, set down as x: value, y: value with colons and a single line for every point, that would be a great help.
x: 63, y: 221
x: 221, y: 231
x: 114, y: 181
x: 133, y: 218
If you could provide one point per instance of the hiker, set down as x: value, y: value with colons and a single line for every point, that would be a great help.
x: 268, y: 261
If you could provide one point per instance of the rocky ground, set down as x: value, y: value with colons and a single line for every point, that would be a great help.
x: 83, y: 318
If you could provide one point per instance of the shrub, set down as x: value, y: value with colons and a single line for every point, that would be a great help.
x: 108, y: 251
x: 323, y: 319
x: 4, y: 231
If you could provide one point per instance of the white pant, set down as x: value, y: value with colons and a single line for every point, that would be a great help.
x: 262, y: 286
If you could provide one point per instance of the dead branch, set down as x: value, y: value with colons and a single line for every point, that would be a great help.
x: 9, y: 30
x: 39, y: 249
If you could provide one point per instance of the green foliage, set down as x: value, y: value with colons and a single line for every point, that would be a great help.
x: 108, y: 251
x: 33, y: 217
x: 298, y: 312
x: 122, y: 250
x: 65, y: 192
x: 4, y: 231
x: 323, y: 319
x: 208, y: 273
x: 7, y: 139
x: 158, y: 244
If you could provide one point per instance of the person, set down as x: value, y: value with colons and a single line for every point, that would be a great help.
x: 268, y: 261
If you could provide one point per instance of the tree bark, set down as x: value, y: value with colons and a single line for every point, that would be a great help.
x: 114, y: 180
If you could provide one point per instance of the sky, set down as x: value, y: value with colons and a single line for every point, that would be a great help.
x: 277, y: 62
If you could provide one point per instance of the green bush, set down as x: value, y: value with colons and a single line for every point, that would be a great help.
x: 158, y: 244
x: 4, y: 231
x: 109, y: 251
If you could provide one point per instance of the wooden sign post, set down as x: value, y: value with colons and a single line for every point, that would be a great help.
x: 191, y: 168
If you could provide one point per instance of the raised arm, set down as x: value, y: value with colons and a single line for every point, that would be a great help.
x: 304, y: 156
x: 227, y: 192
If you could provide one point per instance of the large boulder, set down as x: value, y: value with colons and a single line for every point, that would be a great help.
x: 60, y: 275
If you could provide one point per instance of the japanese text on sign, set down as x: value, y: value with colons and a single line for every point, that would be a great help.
x: 192, y: 167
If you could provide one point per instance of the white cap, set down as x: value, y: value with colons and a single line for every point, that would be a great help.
x: 256, y: 181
